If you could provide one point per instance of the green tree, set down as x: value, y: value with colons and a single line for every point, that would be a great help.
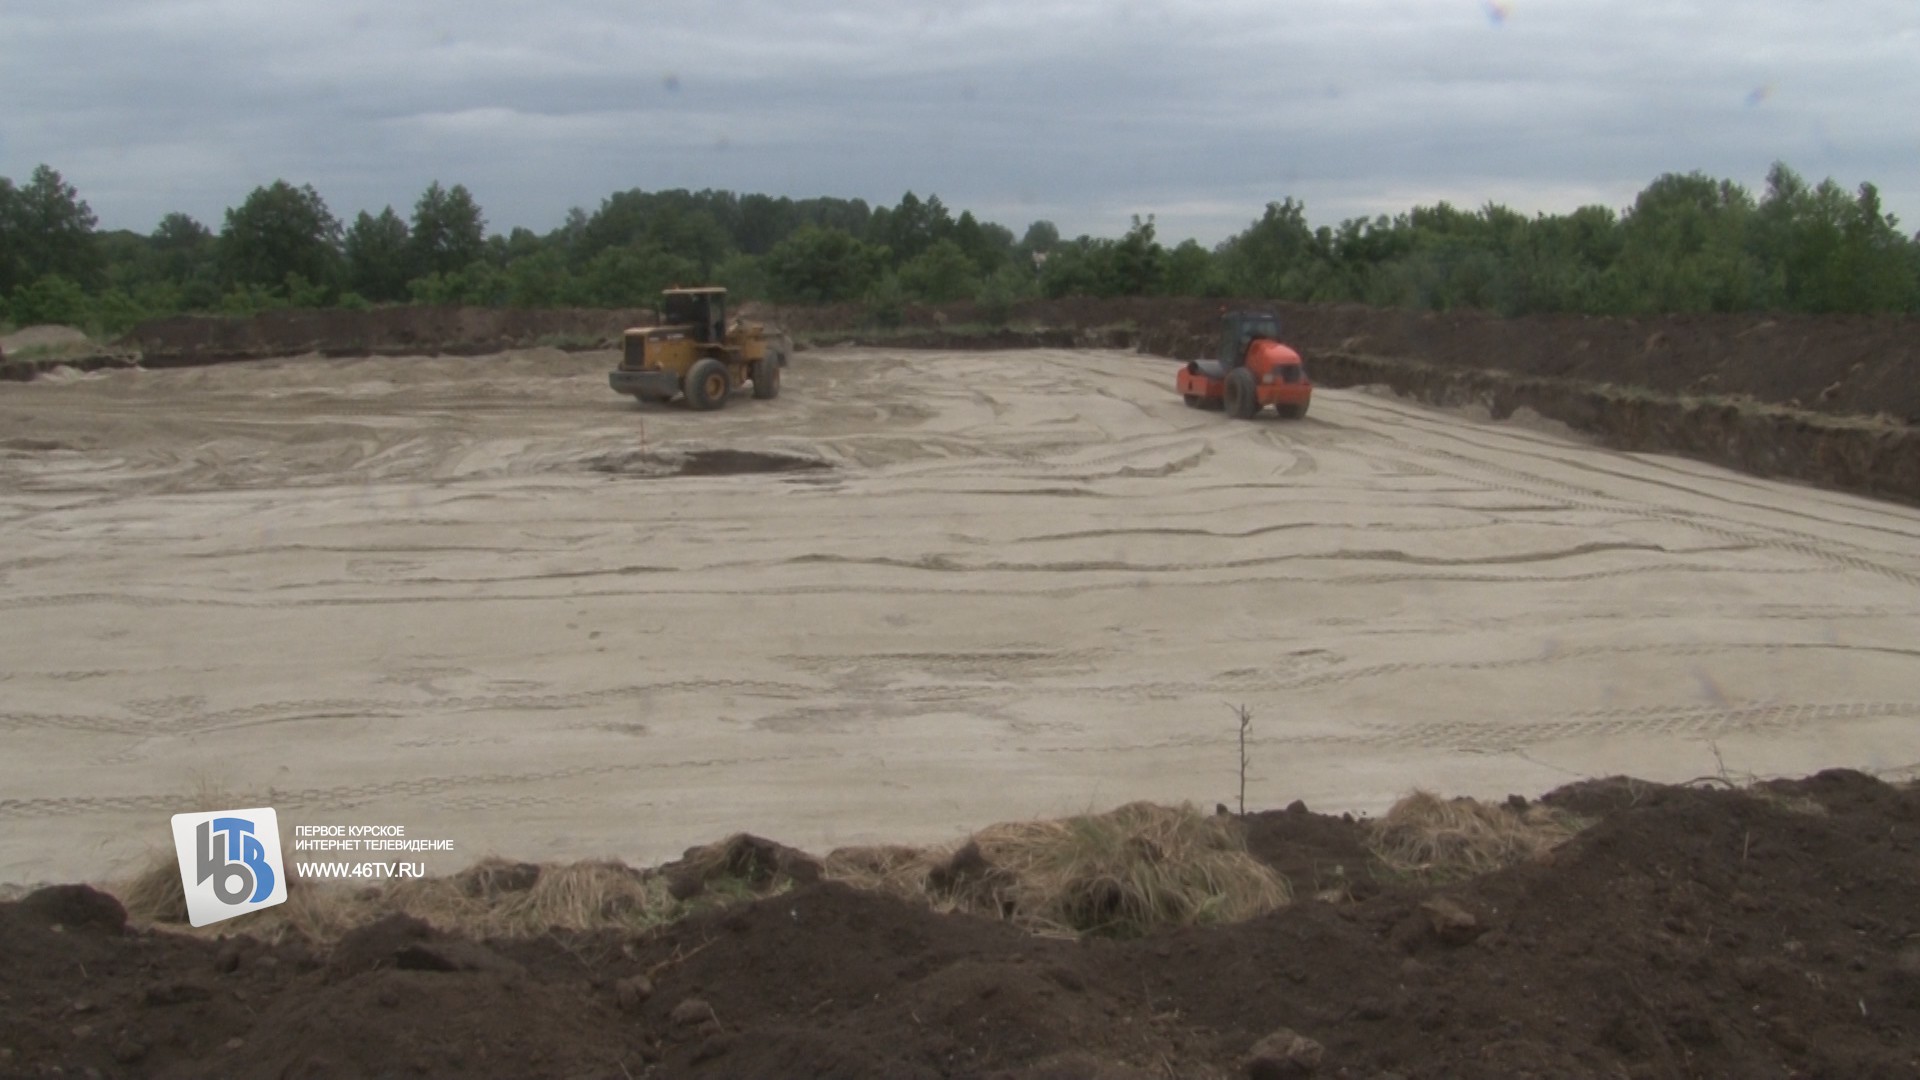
x: 762, y: 222
x: 247, y: 300
x: 519, y: 244
x: 744, y: 276
x: 941, y: 274
x: 851, y: 216
x: 126, y: 258
x: 1041, y: 237
x: 301, y: 293
x: 633, y: 276
x: 886, y: 301
x: 448, y: 232
x: 689, y: 225
x: 280, y: 230
x: 1073, y: 268
x: 1684, y: 247
x: 1562, y: 263
x: 540, y: 280
x: 817, y: 265
x: 1278, y: 256
x: 620, y: 222
x: 1006, y: 287
x: 185, y: 254
x: 118, y: 310
x: 986, y: 245
x: 51, y: 299
x: 46, y: 229
x: 1190, y: 270
x: 1823, y: 250
x: 693, y: 235
x: 1136, y: 263
x: 477, y: 284
x: 913, y: 226
x: 379, y: 256
x: 1874, y: 267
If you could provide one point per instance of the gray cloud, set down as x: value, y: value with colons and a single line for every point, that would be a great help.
x: 1080, y: 112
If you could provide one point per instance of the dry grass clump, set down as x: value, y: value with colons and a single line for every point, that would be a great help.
x: 1805, y: 805
x: 154, y: 894
x: 496, y: 898
x: 889, y: 868
x: 1129, y: 871
x: 1426, y: 836
x: 1126, y: 872
x: 492, y: 898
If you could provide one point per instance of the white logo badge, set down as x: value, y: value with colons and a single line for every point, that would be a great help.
x: 229, y: 863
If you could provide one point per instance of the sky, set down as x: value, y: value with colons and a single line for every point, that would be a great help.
x: 1079, y: 112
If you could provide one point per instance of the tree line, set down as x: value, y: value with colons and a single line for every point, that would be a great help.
x: 1689, y: 243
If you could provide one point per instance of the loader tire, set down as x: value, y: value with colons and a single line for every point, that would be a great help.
x: 1291, y: 412
x: 1194, y: 401
x: 1243, y: 397
x: 765, y: 374
x: 707, y: 385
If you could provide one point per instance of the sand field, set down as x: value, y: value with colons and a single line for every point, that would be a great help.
x: 489, y: 600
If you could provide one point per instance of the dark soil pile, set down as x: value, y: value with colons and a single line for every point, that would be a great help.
x: 1689, y: 933
x: 191, y: 340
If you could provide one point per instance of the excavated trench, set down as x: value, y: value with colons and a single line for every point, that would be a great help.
x: 1859, y: 454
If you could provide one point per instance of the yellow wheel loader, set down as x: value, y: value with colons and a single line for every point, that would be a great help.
x: 696, y: 355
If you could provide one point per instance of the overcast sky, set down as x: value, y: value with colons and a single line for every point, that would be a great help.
x: 1077, y: 111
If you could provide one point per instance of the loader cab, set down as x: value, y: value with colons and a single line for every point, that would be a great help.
x: 1239, y: 329
x: 705, y: 310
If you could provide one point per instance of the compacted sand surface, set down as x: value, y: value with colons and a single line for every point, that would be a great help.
x: 491, y: 601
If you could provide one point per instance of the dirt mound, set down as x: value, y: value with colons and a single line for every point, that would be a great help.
x: 38, y: 350
x: 1133, y: 869
x: 43, y: 337
x: 192, y: 340
x: 1688, y: 932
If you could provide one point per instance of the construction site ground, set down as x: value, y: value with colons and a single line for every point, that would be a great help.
x: 921, y: 592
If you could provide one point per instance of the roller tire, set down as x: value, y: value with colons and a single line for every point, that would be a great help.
x: 1242, y: 395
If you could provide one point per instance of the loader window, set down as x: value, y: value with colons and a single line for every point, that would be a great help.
x: 681, y: 310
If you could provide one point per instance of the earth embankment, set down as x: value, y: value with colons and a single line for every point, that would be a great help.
x: 194, y: 340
